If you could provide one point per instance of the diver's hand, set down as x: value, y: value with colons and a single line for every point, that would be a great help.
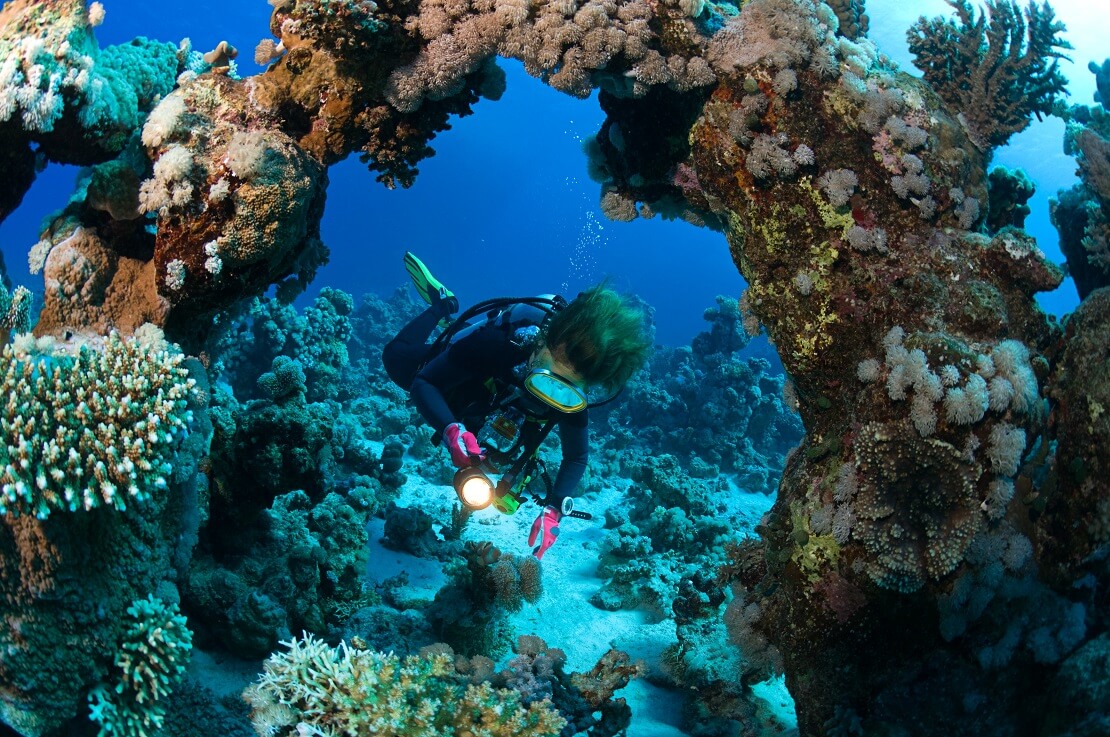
x: 463, y: 445
x: 544, y: 530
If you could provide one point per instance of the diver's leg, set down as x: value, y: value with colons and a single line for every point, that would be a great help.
x: 403, y: 355
x: 428, y: 287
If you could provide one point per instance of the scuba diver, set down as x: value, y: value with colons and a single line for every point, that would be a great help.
x: 506, y: 372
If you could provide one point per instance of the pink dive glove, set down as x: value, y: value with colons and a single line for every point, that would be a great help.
x: 546, y: 530
x: 463, y: 445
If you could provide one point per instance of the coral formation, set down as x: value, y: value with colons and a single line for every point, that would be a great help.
x: 67, y: 581
x: 314, y: 688
x: 298, y: 568
x: 1082, y: 213
x: 996, y: 69
x: 89, y: 426
x: 152, y: 657
x: 1010, y: 190
x: 834, y: 263
x: 484, y: 585
x: 77, y: 101
x: 709, y: 406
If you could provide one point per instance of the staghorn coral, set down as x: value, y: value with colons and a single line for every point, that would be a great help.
x: 152, y: 657
x: 352, y: 691
x: 94, y: 425
x: 996, y: 69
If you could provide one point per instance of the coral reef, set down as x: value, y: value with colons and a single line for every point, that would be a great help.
x: 86, y: 427
x: 484, y: 584
x: 716, y: 411
x: 916, y: 444
x: 1082, y: 213
x: 298, y: 567
x: 585, y: 700
x: 1075, y: 497
x: 75, y: 101
x: 934, y: 559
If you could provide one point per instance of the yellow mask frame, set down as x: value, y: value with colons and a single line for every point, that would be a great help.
x: 555, y: 391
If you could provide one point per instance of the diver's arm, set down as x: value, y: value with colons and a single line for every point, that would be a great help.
x: 575, y: 436
x: 468, y: 359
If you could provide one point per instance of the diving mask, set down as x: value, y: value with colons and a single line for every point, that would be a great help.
x: 555, y: 391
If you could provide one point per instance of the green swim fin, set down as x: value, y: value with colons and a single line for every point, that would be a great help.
x: 428, y: 287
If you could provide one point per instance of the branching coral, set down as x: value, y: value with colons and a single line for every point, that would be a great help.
x: 155, y: 649
x: 318, y: 690
x: 996, y: 69
x: 89, y: 427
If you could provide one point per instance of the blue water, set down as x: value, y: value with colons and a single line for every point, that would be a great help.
x: 506, y: 207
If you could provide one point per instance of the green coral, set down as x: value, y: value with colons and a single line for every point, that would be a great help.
x: 91, y: 426
x: 155, y: 649
x: 52, y: 64
x: 997, y: 69
x: 320, y: 690
x: 15, y: 309
x: 813, y: 554
x: 127, y: 82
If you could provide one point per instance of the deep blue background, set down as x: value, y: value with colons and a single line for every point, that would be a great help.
x: 506, y: 208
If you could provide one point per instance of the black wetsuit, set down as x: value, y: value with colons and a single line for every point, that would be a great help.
x: 454, y: 386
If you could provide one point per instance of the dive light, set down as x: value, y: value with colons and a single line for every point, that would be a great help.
x: 474, y: 487
x: 477, y: 490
